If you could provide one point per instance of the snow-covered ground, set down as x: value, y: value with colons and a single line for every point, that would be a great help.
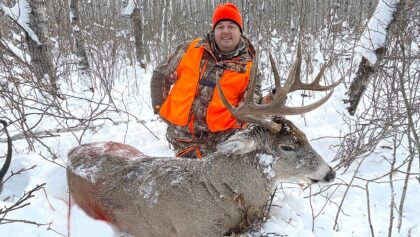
x: 295, y: 211
x: 292, y: 214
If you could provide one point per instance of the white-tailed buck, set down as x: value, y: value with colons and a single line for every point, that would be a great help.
x: 218, y: 195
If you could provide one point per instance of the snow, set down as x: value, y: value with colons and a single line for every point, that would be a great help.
x: 292, y: 215
x: 20, y: 13
x: 23, y: 56
x: 267, y: 161
x: 295, y: 213
x: 88, y: 172
x: 131, y: 5
x: 374, y: 35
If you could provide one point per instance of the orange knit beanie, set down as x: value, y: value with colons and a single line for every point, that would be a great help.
x: 227, y: 11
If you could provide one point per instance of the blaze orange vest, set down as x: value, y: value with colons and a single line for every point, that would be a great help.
x: 176, y: 108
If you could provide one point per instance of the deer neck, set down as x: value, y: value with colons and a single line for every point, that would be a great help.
x: 243, y: 174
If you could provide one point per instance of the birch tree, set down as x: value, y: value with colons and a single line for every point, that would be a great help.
x: 40, y: 48
x: 80, y: 47
x: 133, y: 10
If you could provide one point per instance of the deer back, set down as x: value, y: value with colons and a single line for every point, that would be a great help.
x: 146, y: 196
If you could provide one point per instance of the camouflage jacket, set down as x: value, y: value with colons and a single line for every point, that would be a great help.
x: 164, y: 76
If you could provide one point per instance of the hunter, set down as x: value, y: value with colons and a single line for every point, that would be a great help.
x: 183, y: 88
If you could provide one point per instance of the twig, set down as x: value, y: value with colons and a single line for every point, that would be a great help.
x: 50, y: 132
x: 312, y: 209
x: 19, y: 172
x: 391, y: 183
x: 49, y: 228
x: 9, y: 221
x: 407, y: 176
x: 18, y: 205
x: 368, y: 209
x: 270, y: 203
x: 344, y: 196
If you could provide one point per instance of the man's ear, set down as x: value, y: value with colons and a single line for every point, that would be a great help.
x: 237, y: 145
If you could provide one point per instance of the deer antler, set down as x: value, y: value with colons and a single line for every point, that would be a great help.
x: 251, y: 112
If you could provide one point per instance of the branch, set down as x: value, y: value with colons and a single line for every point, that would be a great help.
x: 372, y: 54
x: 52, y: 132
x: 368, y: 209
x: 21, y: 203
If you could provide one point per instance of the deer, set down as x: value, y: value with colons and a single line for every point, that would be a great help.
x: 221, y: 194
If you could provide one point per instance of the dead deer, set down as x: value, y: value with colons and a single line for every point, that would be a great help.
x: 218, y: 195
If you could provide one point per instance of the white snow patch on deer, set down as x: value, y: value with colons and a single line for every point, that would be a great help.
x: 149, y: 192
x: 88, y: 171
x: 266, y: 161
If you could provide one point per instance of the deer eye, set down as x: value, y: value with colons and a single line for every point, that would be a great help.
x: 287, y: 148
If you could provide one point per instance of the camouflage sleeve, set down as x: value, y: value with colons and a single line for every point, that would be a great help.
x: 164, y: 76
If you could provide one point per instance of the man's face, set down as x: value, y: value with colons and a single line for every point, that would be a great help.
x: 227, y: 35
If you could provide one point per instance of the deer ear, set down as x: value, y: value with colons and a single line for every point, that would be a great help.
x: 237, y: 145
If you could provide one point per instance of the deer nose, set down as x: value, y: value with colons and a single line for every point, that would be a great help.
x: 330, y: 176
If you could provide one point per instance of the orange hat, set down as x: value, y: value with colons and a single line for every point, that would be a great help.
x: 227, y: 11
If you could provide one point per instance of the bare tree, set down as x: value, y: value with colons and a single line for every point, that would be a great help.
x: 80, y: 46
x: 40, y: 48
x: 133, y: 10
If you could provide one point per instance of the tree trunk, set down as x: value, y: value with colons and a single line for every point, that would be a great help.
x: 367, y: 70
x: 138, y: 36
x: 40, y: 52
x: 80, y: 47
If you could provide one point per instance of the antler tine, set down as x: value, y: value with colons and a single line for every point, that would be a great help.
x: 232, y: 109
x: 293, y: 83
x: 281, y: 93
x: 237, y: 112
x: 246, y: 111
x: 275, y: 72
x: 314, y: 85
x: 286, y: 110
x: 253, y: 80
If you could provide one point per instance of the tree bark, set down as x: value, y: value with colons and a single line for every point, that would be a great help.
x: 138, y: 36
x: 41, y: 56
x: 80, y: 46
x: 133, y: 11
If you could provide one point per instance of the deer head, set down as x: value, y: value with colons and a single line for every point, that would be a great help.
x: 287, y: 152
